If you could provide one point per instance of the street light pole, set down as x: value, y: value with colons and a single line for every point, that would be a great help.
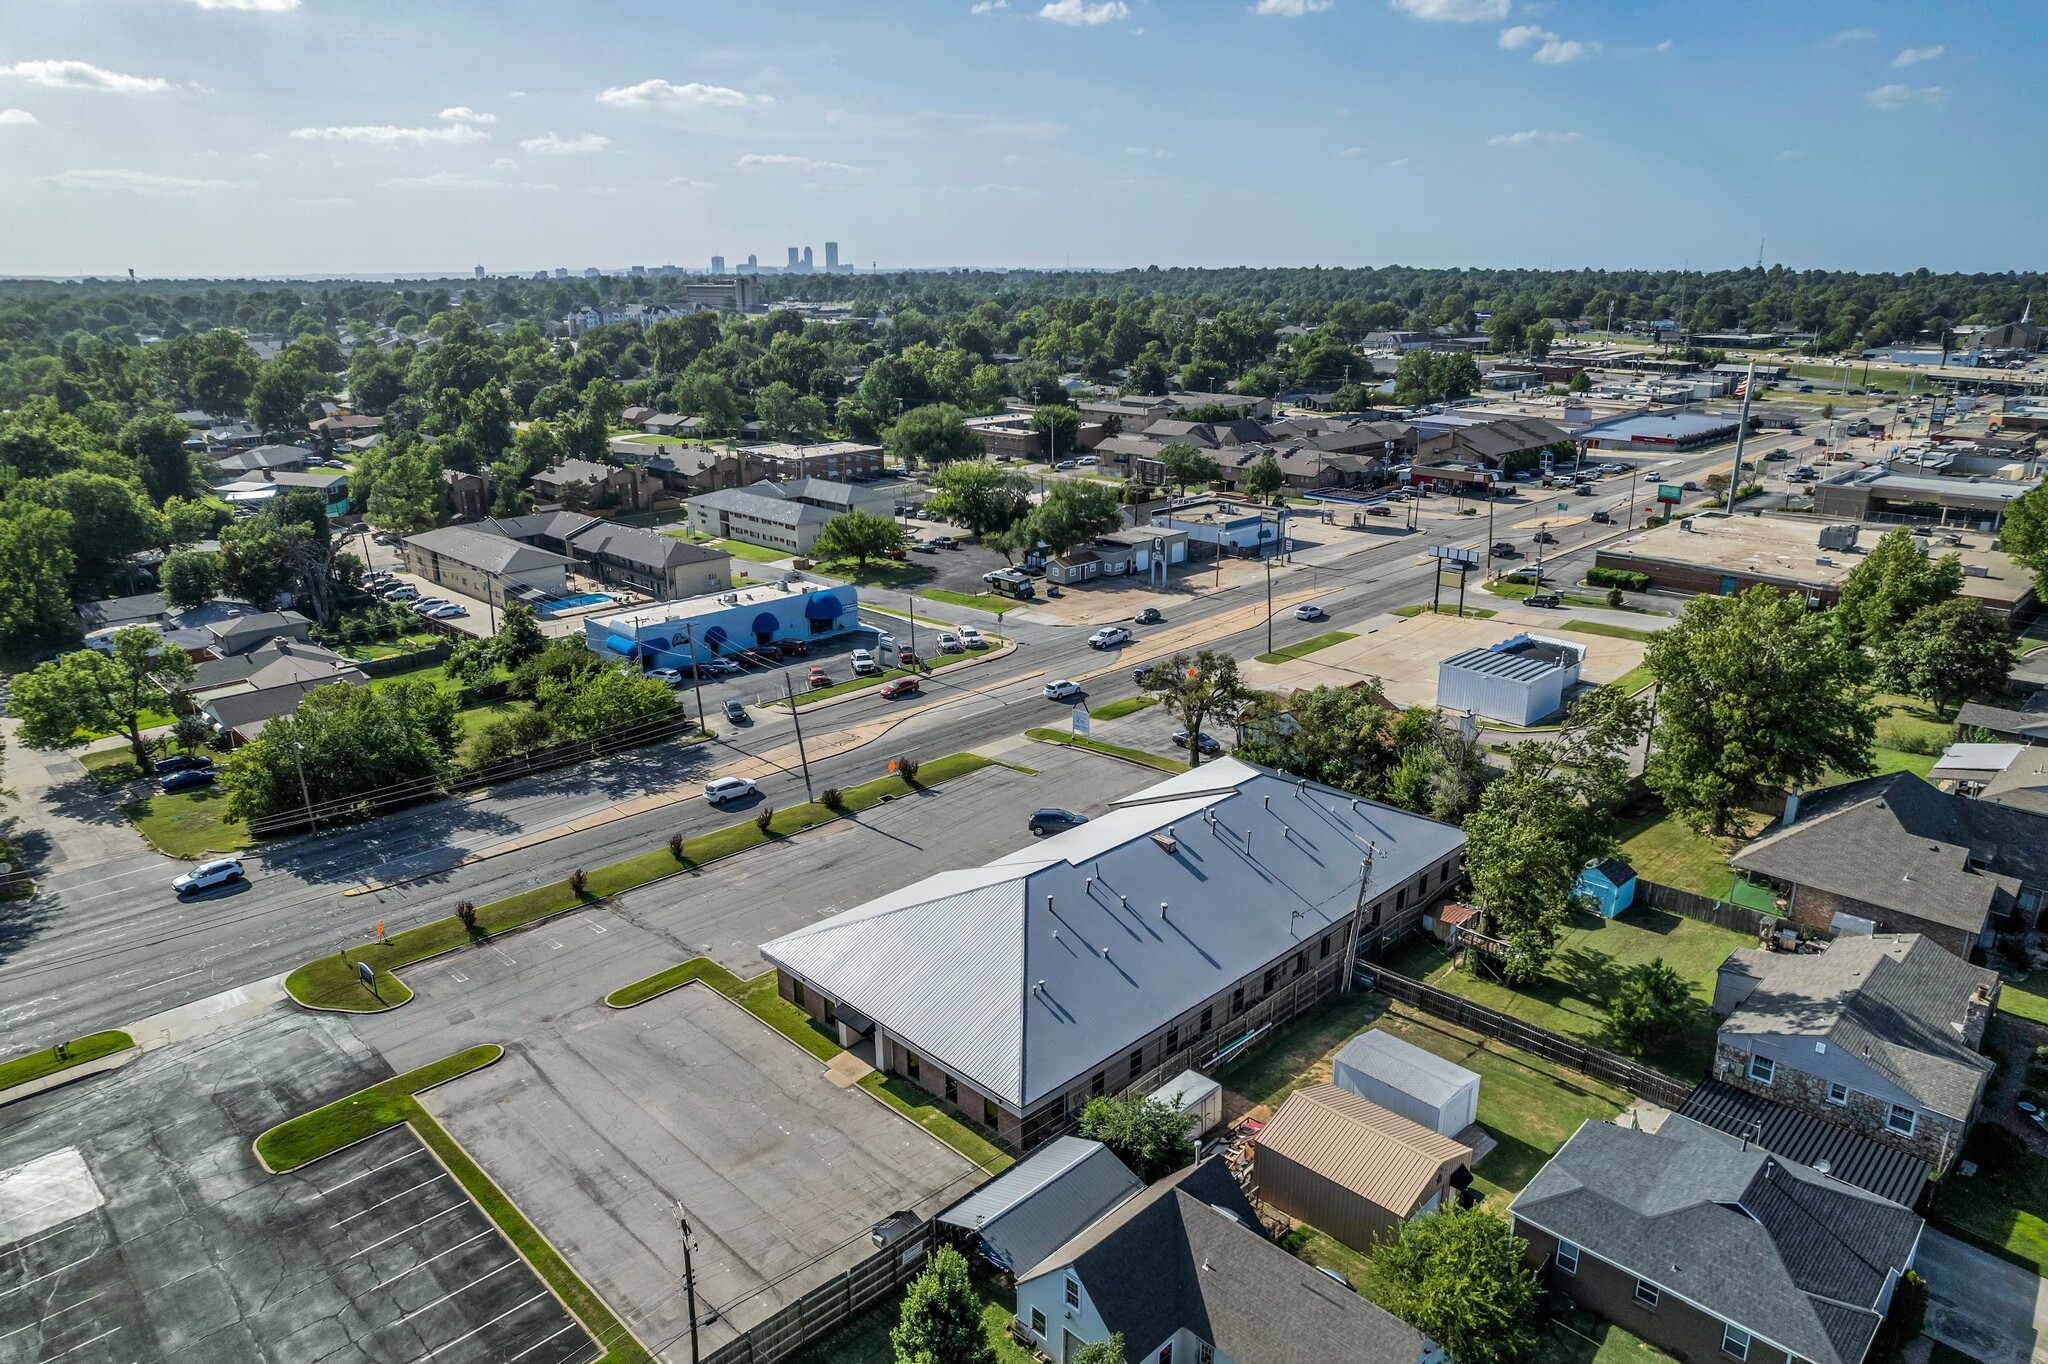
x: 689, y: 1278
x: 1269, y: 604
x: 696, y: 677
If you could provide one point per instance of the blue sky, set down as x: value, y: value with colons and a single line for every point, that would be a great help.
x: 279, y: 136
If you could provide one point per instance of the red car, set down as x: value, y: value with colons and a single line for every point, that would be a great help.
x: 902, y: 686
x: 818, y: 677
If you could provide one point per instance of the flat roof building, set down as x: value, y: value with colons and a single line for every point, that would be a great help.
x: 1663, y: 431
x: 1518, y: 681
x: 1880, y: 493
x: 676, y: 634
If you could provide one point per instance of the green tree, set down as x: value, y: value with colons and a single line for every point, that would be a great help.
x: 156, y: 443
x: 940, y: 1321
x: 192, y: 732
x: 519, y: 637
x: 348, y: 742
x: 88, y: 693
x: 711, y: 398
x: 470, y: 662
x: 859, y: 536
x: 1652, y: 1008
x: 1946, y: 654
x: 1754, y: 696
x: 933, y: 435
x: 1075, y: 512
x: 1195, y: 687
x: 1337, y: 736
x: 1181, y: 464
x: 221, y: 382
x: 399, y: 487
x: 1457, y: 1276
x: 2025, y: 534
x: 500, y: 740
x: 788, y: 414
x: 614, y: 700
x: 1109, y: 1351
x: 283, y: 389
x: 1264, y: 478
x: 187, y: 522
x: 35, y: 570
x: 1537, y: 337
x: 1581, y: 383
x: 1148, y: 1134
x: 110, y: 519
x: 979, y: 495
x: 191, y: 578
x: 1058, y: 427
x: 1891, y: 584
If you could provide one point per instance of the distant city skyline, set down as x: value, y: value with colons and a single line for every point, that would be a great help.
x: 181, y: 137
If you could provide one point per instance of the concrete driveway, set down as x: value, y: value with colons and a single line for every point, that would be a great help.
x: 1988, y: 1308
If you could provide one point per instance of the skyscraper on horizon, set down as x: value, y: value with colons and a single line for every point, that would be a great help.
x: 718, y: 265
x: 807, y: 260
x: 791, y: 267
x: 479, y: 272
x: 831, y: 257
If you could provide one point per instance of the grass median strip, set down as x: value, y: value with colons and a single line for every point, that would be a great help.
x: 1136, y: 755
x: 37, y: 1064
x: 1117, y: 710
x: 333, y: 983
x: 1600, y: 627
x: 1306, y: 647
x: 1444, y: 609
x: 300, y: 1141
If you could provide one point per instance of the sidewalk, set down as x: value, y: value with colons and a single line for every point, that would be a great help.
x: 60, y: 817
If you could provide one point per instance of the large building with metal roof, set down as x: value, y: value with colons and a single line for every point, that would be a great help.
x: 1165, y: 933
x: 1519, y: 681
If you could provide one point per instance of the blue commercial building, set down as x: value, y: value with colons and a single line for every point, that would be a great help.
x: 672, y: 634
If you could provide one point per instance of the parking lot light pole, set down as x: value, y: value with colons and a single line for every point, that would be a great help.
x: 689, y: 1278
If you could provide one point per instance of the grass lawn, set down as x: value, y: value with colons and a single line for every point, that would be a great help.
x: 1580, y: 1337
x: 1449, y: 608
x: 474, y: 718
x: 306, y: 1138
x: 332, y: 982
x: 147, y: 720
x: 1595, y: 627
x: 111, y: 767
x: 1635, y: 679
x: 1662, y: 848
x: 37, y: 1064
x: 865, y: 1338
x: 189, y: 823
x: 1529, y: 1105
x: 1307, y: 646
x: 1587, y: 969
x: 892, y: 574
x: 1136, y: 755
x: 2003, y: 1207
x: 1910, y: 736
x: 1518, y: 591
x: 980, y: 601
x: 1117, y: 710
x: 2027, y: 998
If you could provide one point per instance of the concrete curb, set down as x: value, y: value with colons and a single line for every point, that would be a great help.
x: 1117, y: 757
x: 99, y: 1065
x: 267, y: 1169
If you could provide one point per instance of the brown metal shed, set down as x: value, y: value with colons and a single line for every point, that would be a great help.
x: 1350, y: 1168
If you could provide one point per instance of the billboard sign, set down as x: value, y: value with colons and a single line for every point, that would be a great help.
x: 1670, y: 492
x: 1451, y: 554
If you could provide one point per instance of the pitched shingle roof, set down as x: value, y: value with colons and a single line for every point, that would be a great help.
x: 1791, y: 1257
x: 483, y: 550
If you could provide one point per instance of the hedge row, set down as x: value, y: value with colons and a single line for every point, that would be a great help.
x: 1627, y: 579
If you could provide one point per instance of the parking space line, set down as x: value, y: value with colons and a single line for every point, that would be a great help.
x: 460, y: 979
x: 53, y: 1312
x: 555, y: 944
x: 593, y: 927
x: 418, y: 1151
x: 414, y: 1227
x: 431, y: 1258
x: 30, y: 1283
x: 542, y: 1341
x: 501, y: 952
x: 393, y: 1199
x: 487, y: 1325
x: 515, y: 1260
x: 83, y: 1343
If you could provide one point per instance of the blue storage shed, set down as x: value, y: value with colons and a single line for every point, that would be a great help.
x: 1609, y: 883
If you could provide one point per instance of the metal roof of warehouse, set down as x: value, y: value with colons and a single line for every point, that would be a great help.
x: 1018, y: 976
x: 1044, y: 1201
x: 1514, y: 665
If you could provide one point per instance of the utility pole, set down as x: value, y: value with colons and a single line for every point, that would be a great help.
x: 910, y: 600
x: 1633, y: 475
x: 789, y: 690
x: 696, y: 676
x: 689, y: 1278
x: 306, y: 795
x: 1269, y: 604
x: 1489, y: 527
x: 1741, y: 435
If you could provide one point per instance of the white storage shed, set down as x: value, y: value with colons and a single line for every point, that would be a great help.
x: 1198, y: 1096
x: 1403, y: 1078
x: 1519, y: 681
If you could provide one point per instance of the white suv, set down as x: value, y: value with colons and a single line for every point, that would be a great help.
x: 864, y: 663
x: 207, y: 875
x: 729, y: 788
x: 1061, y: 690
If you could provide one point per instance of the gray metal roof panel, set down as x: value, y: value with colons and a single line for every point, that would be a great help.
x: 1849, y: 1156
x: 1037, y: 1206
x: 1405, y: 1066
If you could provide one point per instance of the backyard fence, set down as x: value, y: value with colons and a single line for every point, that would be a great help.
x: 429, y: 657
x: 1600, y: 1065
x: 824, y: 1309
x: 1740, y: 918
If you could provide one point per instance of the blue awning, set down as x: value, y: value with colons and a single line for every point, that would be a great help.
x: 619, y: 644
x: 766, y: 623
x: 823, y: 606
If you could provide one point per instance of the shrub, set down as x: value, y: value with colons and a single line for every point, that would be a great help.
x: 578, y: 879
x: 1990, y: 1146
x: 1625, y: 578
x: 833, y: 798
x: 675, y: 846
x: 1614, y: 597
x: 906, y: 768
x: 764, y: 819
x: 466, y: 911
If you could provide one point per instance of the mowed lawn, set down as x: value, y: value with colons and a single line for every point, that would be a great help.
x: 189, y: 823
x: 1528, y: 1105
x: 2003, y: 1206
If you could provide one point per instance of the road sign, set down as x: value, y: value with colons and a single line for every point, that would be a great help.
x: 1080, y: 717
x: 1455, y: 555
x: 1564, y: 506
x: 365, y: 974
x: 1670, y: 492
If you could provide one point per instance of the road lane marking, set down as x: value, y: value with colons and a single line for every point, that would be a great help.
x: 542, y: 1341
x: 53, y: 1312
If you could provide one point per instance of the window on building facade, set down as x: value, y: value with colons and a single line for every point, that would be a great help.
x: 910, y: 1064
x: 1037, y: 1322
x: 1734, y: 1342
x: 1205, y: 1353
x: 1172, y: 1040
x: 1301, y: 961
x: 1236, y: 1005
x: 1137, y: 1064
x: 988, y: 1112
x: 1901, y: 1119
x: 1166, y: 1353
x: 1401, y: 898
x: 1646, y: 1293
x: 1761, y: 1068
x: 1207, y: 1018
x: 1272, y: 977
x: 796, y: 993
x: 1324, y: 950
x: 952, y: 1091
x: 1095, y: 1085
x: 1073, y: 1291
x: 1567, y: 1257
x: 1838, y: 1093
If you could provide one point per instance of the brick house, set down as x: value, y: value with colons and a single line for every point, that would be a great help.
x: 1880, y: 1034
x: 1713, y: 1248
x: 1892, y: 854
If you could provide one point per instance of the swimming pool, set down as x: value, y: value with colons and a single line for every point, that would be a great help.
x: 576, y: 603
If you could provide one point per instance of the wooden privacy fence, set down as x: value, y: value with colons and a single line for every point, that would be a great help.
x: 1600, y: 1065
x: 825, y: 1308
x: 1740, y: 918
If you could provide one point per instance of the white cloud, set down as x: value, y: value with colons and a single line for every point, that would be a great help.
x: 73, y: 75
x: 668, y: 97
x: 1453, y: 11
x: 1349, y: 153
x: 1664, y: 46
x: 803, y: 163
x: 1892, y: 98
x: 1790, y: 155
x: 1395, y: 164
x: 1853, y: 35
x: 1913, y: 56
x: 1291, y: 9
x: 515, y: 94
x: 989, y: 6
x: 685, y: 182
x: 16, y: 118
x: 254, y: 6
x: 1081, y: 14
x: 556, y: 145
x: 442, y: 180
x: 259, y: 156
x: 1551, y: 50
x: 1531, y: 137
x: 462, y: 113
x: 503, y: 163
x: 140, y: 182
x: 384, y: 135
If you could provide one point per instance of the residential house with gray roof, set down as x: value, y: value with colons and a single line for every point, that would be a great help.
x: 1043, y: 1201
x: 1711, y: 1247
x: 1881, y: 1034
x: 662, y: 566
x: 1185, y: 1274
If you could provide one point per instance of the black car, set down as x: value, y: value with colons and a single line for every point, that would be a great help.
x: 1544, y: 537
x: 1207, y: 743
x: 737, y: 713
x: 184, y: 762
x: 1150, y: 616
x: 1142, y: 673
x: 1051, y: 820
x: 1601, y: 518
x: 1503, y: 550
x: 190, y: 777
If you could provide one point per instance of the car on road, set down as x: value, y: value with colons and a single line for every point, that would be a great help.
x: 1601, y: 518
x: 1150, y: 616
x: 729, y: 788
x: 183, y: 762
x: 1052, y: 819
x: 896, y: 554
x: 1690, y: 486
x: 1804, y: 471
x: 944, y: 542
x: 1064, y: 464
x: 1205, y: 742
x: 450, y: 611
x: 818, y: 677
x: 737, y: 713
x: 1585, y: 490
x: 1544, y: 537
x: 186, y: 780
x: 971, y: 637
x: 925, y: 547
x: 1547, y: 599
x: 1062, y: 690
x: 207, y: 875
x: 1503, y: 550
x: 1087, y: 461
x: 1308, y: 610
x: 900, y: 686
x: 864, y: 663
x: 1143, y: 673
x: 672, y: 676
x: 718, y: 667
x: 949, y: 643
x: 1109, y: 637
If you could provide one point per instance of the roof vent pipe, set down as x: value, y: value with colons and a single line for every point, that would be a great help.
x: 1048, y: 904
x: 1162, y: 909
x: 1088, y: 886
x: 1265, y: 802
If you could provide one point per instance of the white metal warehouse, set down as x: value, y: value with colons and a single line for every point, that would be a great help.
x: 1518, y: 681
x: 1403, y: 1078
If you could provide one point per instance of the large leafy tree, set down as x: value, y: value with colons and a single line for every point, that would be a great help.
x: 1946, y: 654
x: 35, y: 570
x: 1458, y: 1277
x: 933, y: 435
x: 1182, y: 463
x: 2025, y: 534
x: 859, y: 536
x: 1754, y: 696
x: 979, y: 495
x: 940, y: 1320
x: 1058, y: 427
x: 1148, y: 1134
x: 1264, y: 478
x: 1338, y: 736
x: 156, y: 443
x: 88, y: 693
x: 1652, y: 1008
x: 614, y: 700
x: 1195, y: 687
x: 519, y: 637
x: 1074, y: 513
x: 192, y: 578
x: 399, y: 487
x: 1892, y: 583
x: 110, y: 519
x: 349, y: 742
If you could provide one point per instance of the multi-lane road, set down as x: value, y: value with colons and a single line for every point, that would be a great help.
x: 105, y: 942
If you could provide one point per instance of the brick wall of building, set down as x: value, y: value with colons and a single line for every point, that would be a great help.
x: 1812, y: 907
x: 1936, y: 1139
